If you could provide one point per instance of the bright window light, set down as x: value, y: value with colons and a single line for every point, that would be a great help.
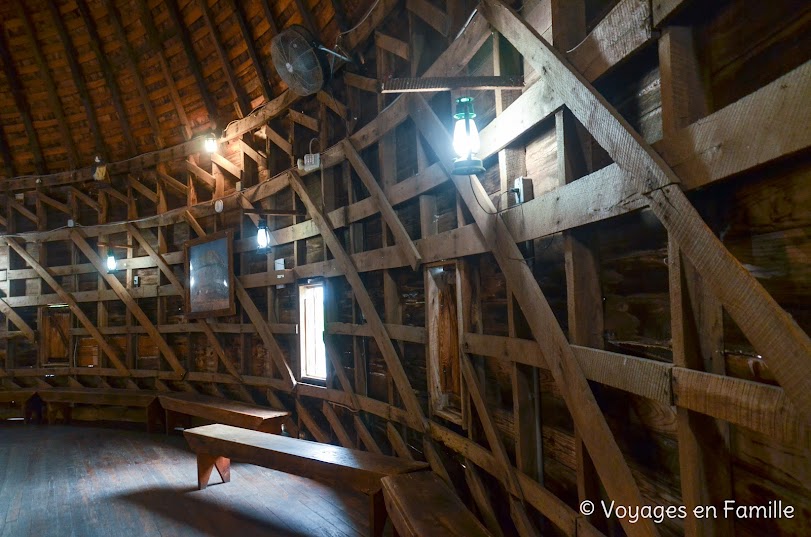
x: 311, y: 331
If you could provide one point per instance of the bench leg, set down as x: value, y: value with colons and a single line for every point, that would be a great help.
x: 206, y: 463
x: 377, y: 514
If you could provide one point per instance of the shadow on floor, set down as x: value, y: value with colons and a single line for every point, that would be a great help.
x: 198, y: 513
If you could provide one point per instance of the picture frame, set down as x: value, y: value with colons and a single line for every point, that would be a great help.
x: 210, y: 276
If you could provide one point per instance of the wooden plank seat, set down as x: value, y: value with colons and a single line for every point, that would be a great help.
x: 420, y: 504
x: 220, y: 410
x: 61, y: 400
x: 216, y: 445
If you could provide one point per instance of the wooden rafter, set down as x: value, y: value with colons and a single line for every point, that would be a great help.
x: 125, y: 296
x: 68, y: 299
x: 5, y: 154
x: 365, y: 302
x: 78, y: 79
x: 247, y: 36
x: 132, y: 65
x: 773, y: 333
x: 238, y: 93
x: 18, y: 321
x: 50, y: 87
x: 614, y: 471
x: 18, y: 92
x: 307, y: 17
x: 107, y: 72
x: 340, y: 15
x: 389, y: 215
x: 269, y: 17
x: 194, y: 64
x: 156, y: 45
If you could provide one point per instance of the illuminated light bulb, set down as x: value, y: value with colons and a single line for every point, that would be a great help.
x: 263, y: 235
x: 466, y: 141
x: 110, y: 263
x: 210, y: 144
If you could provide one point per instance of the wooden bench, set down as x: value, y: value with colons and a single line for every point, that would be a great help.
x: 420, y: 504
x: 216, y: 445
x: 61, y: 400
x: 220, y: 410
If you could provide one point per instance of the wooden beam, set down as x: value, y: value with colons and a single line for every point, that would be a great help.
x: 238, y: 94
x: 5, y: 154
x: 109, y: 77
x: 78, y: 194
x: 18, y: 321
x: 391, y: 44
x: 365, y: 436
x: 207, y: 179
x: 227, y: 165
x: 58, y: 205
x: 431, y: 15
x: 280, y: 141
x: 517, y: 510
x: 129, y: 302
x: 155, y: 43
x: 397, y: 443
x: 386, y: 210
x: 247, y: 36
x: 696, y: 325
x: 364, y: 28
x: 362, y: 82
x: 364, y: 301
x: 67, y: 298
x: 309, y: 422
x: 773, y: 333
x: 253, y: 154
x: 132, y: 65
x: 142, y: 188
x: 50, y: 87
x: 304, y: 120
x: 614, y: 471
x: 336, y: 425
x: 18, y: 93
x: 194, y: 64
x: 481, y: 496
x: 22, y: 209
x: 172, y: 183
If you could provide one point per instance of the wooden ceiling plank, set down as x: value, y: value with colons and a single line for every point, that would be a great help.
x: 611, y: 465
x: 68, y: 299
x: 237, y: 92
x: 109, y: 76
x: 774, y: 333
x: 247, y: 35
x: 194, y: 64
x: 156, y: 45
x: 125, y: 296
x: 53, y: 97
x: 78, y: 80
x: 132, y: 64
x: 18, y: 93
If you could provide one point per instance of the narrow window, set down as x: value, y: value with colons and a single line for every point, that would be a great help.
x: 311, y: 331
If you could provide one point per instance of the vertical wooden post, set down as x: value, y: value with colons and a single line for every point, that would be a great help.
x: 696, y: 316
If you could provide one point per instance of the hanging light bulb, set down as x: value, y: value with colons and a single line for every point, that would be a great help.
x: 263, y: 235
x: 111, y: 263
x: 466, y: 141
x: 210, y: 144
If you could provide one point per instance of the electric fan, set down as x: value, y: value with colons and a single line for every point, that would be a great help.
x: 300, y: 60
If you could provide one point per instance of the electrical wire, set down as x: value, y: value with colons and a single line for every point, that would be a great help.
x: 366, y: 16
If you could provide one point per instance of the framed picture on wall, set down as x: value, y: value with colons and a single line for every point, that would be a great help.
x: 210, y: 276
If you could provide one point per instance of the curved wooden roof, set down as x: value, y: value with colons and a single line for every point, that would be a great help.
x: 118, y: 78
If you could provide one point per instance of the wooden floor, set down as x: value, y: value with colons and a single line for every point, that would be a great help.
x: 90, y: 481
